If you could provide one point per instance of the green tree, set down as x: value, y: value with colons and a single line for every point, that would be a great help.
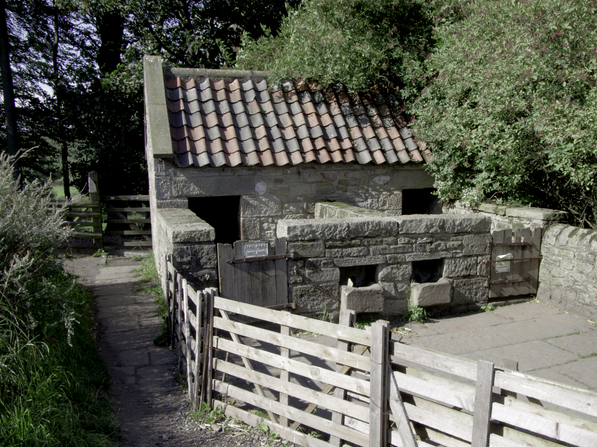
x: 511, y: 106
x: 356, y: 42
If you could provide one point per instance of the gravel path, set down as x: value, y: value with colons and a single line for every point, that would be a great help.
x: 151, y: 404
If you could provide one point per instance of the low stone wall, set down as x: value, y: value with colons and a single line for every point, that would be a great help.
x: 568, y: 272
x: 507, y: 217
x: 190, y: 241
x: 338, y: 244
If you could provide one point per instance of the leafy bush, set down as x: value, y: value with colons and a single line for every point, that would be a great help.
x: 511, y: 108
x: 357, y: 42
x: 52, y: 380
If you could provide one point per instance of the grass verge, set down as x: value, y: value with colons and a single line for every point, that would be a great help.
x: 53, y: 386
x: 148, y: 276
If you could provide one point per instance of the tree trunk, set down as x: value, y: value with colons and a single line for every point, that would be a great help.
x: 8, y: 91
x: 59, y: 118
x: 111, y: 31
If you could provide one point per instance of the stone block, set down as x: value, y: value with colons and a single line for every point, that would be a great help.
x: 365, y: 260
x: 390, y: 201
x: 307, y: 249
x: 550, y: 236
x: 391, y: 249
x: 250, y: 228
x: 541, y: 214
x: 454, y: 267
x: 262, y: 206
x: 163, y: 188
x: 443, y: 223
x: 182, y: 203
x: 323, y: 275
x: 476, y: 244
x: 396, y: 273
x: 469, y: 291
x: 368, y: 299
x: 184, y: 226
x: 431, y: 293
x: 395, y: 306
x: 196, y: 183
x: 335, y: 229
x: 313, y: 298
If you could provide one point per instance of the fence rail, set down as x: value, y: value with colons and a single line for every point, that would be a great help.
x: 320, y: 384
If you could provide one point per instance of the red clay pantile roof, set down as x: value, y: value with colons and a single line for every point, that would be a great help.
x: 246, y: 122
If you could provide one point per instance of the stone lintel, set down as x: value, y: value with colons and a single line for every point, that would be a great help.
x: 183, y: 226
x: 336, y: 229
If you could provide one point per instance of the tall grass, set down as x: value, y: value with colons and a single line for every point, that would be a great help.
x: 148, y: 275
x: 53, y: 383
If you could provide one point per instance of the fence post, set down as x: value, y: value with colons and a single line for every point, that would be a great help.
x: 94, y: 197
x: 378, y: 417
x: 482, y: 415
x: 347, y: 318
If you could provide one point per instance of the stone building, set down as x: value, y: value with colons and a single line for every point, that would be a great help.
x: 231, y: 157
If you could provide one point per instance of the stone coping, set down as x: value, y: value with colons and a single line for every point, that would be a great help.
x: 528, y: 213
x: 184, y: 226
x: 380, y: 226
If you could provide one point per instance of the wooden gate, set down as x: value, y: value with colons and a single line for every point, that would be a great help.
x: 254, y: 272
x: 514, y: 263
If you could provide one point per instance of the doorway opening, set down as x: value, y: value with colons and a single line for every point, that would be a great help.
x: 222, y: 213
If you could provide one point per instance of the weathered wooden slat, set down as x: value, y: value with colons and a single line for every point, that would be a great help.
x: 86, y: 235
x: 82, y: 214
x: 378, y: 385
x: 284, y: 432
x: 543, y: 426
x: 138, y: 209
x: 351, y: 335
x: 499, y: 441
x: 566, y: 397
x: 129, y: 232
x: 401, y: 419
x: 295, y: 344
x: 312, y: 421
x: 322, y: 400
x: 435, y: 392
x: 346, y: 318
x: 360, y: 350
x: 456, y: 366
x: 439, y: 438
x: 245, y: 360
x: 284, y: 375
x: 129, y: 221
x: 139, y: 198
x: 533, y: 272
x: 281, y: 272
x: 439, y: 422
x: 353, y: 384
x: 483, y: 396
x: 83, y: 223
x: 575, y: 420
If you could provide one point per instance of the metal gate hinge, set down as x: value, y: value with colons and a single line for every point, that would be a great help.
x: 262, y: 258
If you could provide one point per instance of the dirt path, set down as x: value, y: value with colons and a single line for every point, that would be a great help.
x: 150, y: 403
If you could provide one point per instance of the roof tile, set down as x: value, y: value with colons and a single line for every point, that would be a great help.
x: 222, y: 122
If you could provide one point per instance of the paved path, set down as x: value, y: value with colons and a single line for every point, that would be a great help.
x: 144, y: 391
x: 544, y: 341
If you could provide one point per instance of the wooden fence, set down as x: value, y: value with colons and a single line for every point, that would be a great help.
x: 319, y: 384
x: 127, y: 218
x: 132, y: 214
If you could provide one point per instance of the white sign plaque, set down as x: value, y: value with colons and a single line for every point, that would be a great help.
x: 255, y: 249
x: 503, y: 267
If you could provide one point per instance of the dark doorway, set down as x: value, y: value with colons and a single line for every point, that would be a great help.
x: 222, y: 213
x: 420, y: 201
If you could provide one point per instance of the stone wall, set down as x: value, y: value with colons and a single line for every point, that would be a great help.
x: 190, y: 241
x: 272, y: 193
x: 508, y: 217
x: 568, y: 271
x: 341, y: 238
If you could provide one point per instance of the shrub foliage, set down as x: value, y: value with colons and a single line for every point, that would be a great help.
x: 511, y: 110
x: 52, y: 381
